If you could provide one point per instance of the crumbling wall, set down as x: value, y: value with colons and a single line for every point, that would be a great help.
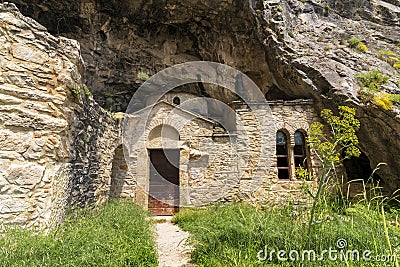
x: 95, y: 136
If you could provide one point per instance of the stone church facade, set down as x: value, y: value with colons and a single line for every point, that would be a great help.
x: 59, y: 148
x: 186, y: 158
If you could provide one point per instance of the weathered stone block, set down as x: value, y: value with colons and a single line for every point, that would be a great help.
x: 27, y: 174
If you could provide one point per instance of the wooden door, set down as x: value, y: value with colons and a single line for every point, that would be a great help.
x: 164, y: 181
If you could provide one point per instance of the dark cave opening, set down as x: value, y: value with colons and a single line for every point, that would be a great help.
x: 360, y: 169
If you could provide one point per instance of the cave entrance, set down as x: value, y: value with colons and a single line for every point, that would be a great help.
x: 118, y: 173
x: 164, y: 181
x: 360, y: 176
x: 359, y: 168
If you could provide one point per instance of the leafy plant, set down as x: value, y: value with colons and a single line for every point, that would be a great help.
x: 86, y: 90
x: 390, y: 57
x: 357, y: 45
x: 143, y: 76
x: 371, y: 83
x: 372, y: 80
x: 395, y: 98
x: 278, y: 9
x: 302, y: 174
x: 77, y: 93
x: 329, y: 144
x: 383, y: 101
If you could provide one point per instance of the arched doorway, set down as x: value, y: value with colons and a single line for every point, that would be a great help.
x: 164, y: 159
x: 118, y: 174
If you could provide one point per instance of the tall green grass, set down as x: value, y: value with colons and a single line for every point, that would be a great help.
x: 233, y: 234
x: 115, y: 234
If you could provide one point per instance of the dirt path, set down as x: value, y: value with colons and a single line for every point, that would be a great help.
x: 172, y: 248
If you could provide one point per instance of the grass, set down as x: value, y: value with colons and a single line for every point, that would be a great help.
x: 115, y: 234
x: 233, y: 234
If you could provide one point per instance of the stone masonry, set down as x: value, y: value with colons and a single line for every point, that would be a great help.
x: 216, y: 165
x: 53, y: 137
x: 59, y: 148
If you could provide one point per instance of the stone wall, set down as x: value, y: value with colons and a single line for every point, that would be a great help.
x: 121, y: 185
x: 216, y: 165
x: 37, y: 72
x: 260, y: 183
x: 53, y: 137
x: 95, y: 136
x: 301, y: 52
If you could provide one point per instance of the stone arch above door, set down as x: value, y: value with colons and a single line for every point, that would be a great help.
x: 163, y: 136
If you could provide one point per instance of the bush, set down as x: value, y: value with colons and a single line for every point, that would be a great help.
x: 77, y: 93
x: 116, y: 234
x: 395, y: 98
x: 372, y: 80
x: 390, y: 57
x: 357, y: 45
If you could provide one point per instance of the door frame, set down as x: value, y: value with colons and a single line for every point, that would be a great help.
x: 176, y: 194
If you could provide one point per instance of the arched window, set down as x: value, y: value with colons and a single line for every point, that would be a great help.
x: 282, y: 155
x: 300, y: 152
x: 176, y: 100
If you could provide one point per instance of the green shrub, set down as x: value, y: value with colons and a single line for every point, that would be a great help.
x: 372, y: 80
x: 357, y: 45
x: 278, y: 9
x: 302, y: 174
x: 115, y: 234
x: 77, y: 93
x: 143, y: 76
x: 86, y: 90
x: 353, y: 42
x: 390, y: 57
x: 395, y: 98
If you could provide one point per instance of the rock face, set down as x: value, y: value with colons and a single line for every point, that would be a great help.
x: 291, y: 49
x: 44, y: 120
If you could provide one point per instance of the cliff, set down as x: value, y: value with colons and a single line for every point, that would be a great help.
x: 291, y: 49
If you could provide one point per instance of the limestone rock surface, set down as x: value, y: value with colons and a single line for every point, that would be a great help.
x: 291, y: 49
